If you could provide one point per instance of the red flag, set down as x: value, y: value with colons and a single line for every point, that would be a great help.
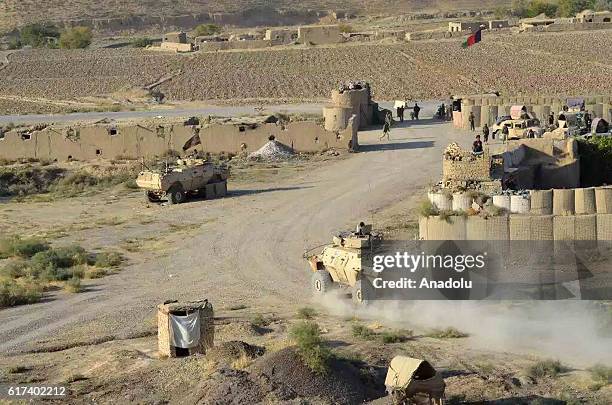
x: 473, y: 39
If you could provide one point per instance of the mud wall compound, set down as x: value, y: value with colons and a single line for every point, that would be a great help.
x: 136, y: 140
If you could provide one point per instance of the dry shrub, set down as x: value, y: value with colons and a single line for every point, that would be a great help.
x: 545, y: 368
x: 311, y: 347
x: 448, y: 333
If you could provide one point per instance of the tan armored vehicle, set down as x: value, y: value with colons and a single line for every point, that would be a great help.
x: 518, y: 128
x: 187, y: 177
x: 340, y: 263
x: 412, y: 381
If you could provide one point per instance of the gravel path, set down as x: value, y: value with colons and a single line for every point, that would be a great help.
x: 250, y: 244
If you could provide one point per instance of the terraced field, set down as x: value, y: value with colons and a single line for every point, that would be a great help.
x: 560, y: 63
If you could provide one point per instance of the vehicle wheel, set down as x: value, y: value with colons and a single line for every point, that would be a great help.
x: 176, y: 194
x: 151, y: 196
x: 321, y: 282
x: 361, y: 292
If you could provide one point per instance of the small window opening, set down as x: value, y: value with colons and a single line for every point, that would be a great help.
x: 69, y: 157
x: 241, y: 129
x: 113, y: 131
x: 98, y: 151
x: 316, y: 139
x: 1, y: 136
x: 271, y: 138
x: 26, y: 137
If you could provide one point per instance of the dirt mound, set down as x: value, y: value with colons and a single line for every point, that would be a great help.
x: 233, y: 350
x: 272, y: 150
x: 342, y: 384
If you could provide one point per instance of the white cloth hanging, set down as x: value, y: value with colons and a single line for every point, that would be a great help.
x: 185, y: 330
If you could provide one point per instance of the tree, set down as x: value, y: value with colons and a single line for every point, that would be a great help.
x: 206, y: 29
x: 569, y: 8
x: 537, y: 7
x: 603, y: 5
x: 75, y: 38
x: 141, y: 42
x: 519, y: 8
x: 501, y: 13
x: 37, y: 34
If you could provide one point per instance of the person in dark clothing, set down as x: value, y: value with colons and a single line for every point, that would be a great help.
x: 505, y: 132
x: 416, y: 110
x: 401, y: 113
x: 587, y: 120
x: 472, y: 121
x: 477, y: 146
x: 398, y: 110
x: 485, y: 133
x: 551, y: 119
x: 530, y: 134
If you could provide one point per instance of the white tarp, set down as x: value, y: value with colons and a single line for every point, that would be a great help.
x: 400, y: 103
x: 185, y: 330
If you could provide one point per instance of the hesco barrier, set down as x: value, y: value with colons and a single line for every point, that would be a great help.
x: 492, y: 228
x: 604, y: 226
x: 502, y: 201
x: 434, y: 228
x: 529, y: 227
x: 563, y: 202
x: 441, y: 201
x: 461, y: 201
x: 519, y: 204
x: 585, y: 201
x: 603, y: 200
x: 541, y: 202
x: 583, y: 227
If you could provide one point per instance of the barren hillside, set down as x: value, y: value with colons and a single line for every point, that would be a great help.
x: 240, y: 12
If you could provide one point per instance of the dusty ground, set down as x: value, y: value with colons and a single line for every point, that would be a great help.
x: 523, y: 64
x: 243, y: 250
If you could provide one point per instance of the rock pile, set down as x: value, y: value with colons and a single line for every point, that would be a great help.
x: 272, y: 150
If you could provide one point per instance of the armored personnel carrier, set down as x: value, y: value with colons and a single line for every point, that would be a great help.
x: 340, y: 263
x: 187, y: 177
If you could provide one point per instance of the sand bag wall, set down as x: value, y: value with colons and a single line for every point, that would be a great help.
x: 604, y: 226
x: 584, y: 201
x: 603, y: 200
x: 461, y: 202
x: 519, y: 204
x: 541, y: 202
x: 491, y: 228
x: 529, y: 227
x: 563, y: 202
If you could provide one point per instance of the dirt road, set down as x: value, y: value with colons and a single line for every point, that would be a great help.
x: 248, y: 247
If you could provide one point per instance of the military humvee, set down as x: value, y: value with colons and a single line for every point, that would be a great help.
x: 518, y: 128
x: 187, y: 177
x: 340, y: 263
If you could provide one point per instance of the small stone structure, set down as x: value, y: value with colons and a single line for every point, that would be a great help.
x: 178, y: 37
x: 281, y: 36
x: 164, y: 330
x: 319, y: 34
x: 590, y: 16
x: 350, y: 99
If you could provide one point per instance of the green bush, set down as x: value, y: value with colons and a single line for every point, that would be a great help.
x: 427, y: 209
x: 75, y: 38
x: 37, y: 35
x: 306, y: 313
x: 448, y: 333
x: 395, y: 336
x: 311, y: 347
x: 601, y: 374
x: 14, y: 269
x: 57, y: 264
x: 545, y: 368
x: 363, y: 332
x: 73, y: 285
x: 206, y: 29
x: 25, y: 248
x: 537, y: 7
x: 13, y: 293
x: 108, y: 259
x: 595, y: 161
x: 141, y: 42
x: 569, y: 8
x: 259, y: 321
